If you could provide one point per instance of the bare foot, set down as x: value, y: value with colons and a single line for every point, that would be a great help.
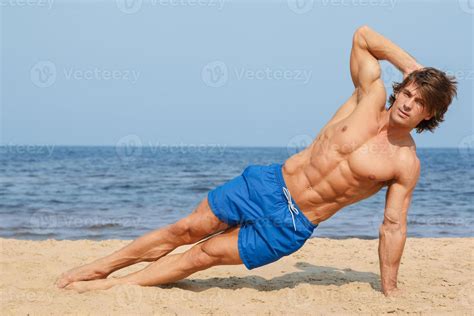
x: 94, y: 285
x: 83, y: 273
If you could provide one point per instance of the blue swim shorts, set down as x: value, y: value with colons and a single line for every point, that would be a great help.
x: 271, y: 224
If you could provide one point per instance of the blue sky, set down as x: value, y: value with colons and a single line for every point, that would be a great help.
x: 235, y: 73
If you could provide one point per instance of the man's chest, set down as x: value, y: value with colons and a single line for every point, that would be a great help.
x: 372, y: 163
x: 367, y: 156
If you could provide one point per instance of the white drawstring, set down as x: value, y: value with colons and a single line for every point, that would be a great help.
x: 291, y: 207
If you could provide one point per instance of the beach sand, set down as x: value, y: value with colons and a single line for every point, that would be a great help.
x: 325, y: 276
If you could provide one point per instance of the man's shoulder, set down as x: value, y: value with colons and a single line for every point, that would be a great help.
x: 407, y: 163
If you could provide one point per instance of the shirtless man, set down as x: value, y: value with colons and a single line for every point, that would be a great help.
x: 269, y: 211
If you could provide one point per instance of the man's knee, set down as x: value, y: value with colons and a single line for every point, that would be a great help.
x: 180, y: 232
x: 196, y: 226
x: 201, y: 258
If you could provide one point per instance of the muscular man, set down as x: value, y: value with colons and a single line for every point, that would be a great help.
x: 269, y: 211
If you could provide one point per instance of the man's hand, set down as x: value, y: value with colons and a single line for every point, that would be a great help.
x: 415, y: 67
x: 394, y: 292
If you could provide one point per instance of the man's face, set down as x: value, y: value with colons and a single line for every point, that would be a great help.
x: 409, y: 109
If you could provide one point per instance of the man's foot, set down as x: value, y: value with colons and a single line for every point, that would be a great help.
x: 94, y: 285
x: 87, y: 272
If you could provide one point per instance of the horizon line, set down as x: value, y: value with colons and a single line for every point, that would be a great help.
x: 195, y: 145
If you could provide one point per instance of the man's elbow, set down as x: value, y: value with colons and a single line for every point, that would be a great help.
x: 363, y: 29
x: 390, y: 228
x: 360, y: 34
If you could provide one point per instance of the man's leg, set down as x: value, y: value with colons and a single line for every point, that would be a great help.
x: 151, y: 246
x: 221, y: 249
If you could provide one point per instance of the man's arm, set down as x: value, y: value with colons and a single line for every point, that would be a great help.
x: 365, y: 69
x: 392, y: 235
x: 367, y: 48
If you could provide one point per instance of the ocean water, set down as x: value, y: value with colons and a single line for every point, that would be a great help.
x: 65, y: 192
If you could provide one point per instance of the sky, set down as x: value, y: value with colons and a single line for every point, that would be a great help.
x: 192, y: 72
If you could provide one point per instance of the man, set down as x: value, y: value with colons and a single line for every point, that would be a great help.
x: 269, y: 211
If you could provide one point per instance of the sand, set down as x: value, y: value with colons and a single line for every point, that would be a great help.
x: 325, y: 276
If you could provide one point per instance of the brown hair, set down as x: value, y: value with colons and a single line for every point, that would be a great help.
x: 436, y: 89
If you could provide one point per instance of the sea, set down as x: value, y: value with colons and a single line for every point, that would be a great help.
x: 94, y: 192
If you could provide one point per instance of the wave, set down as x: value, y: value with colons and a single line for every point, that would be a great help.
x: 103, y: 226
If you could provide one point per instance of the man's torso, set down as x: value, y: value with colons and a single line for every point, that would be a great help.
x: 350, y: 160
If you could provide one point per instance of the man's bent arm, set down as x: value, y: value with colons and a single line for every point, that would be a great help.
x: 392, y: 235
x: 384, y: 49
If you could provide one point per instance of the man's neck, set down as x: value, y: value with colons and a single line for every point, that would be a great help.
x: 392, y: 130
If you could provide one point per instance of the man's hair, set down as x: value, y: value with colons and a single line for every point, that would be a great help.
x: 436, y: 89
